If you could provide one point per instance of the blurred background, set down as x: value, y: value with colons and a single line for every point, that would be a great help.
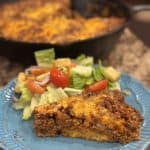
x: 131, y: 53
x: 141, y: 22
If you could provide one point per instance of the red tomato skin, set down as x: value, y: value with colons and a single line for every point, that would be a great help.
x: 59, y: 78
x: 98, y: 86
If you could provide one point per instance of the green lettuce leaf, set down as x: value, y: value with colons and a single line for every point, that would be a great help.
x: 26, y: 113
x: 34, y: 101
x: 78, y: 82
x: 44, y: 57
x: 111, y: 74
x: 90, y: 80
x: 98, y: 73
x: 80, y: 58
x: 113, y: 85
x: 26, y: 95
x: 84, y: 71
x: 72, y: 91
x: 52, y: 95
x: 85, y: 60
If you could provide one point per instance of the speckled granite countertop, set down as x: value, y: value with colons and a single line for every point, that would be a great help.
x: 130, y: 55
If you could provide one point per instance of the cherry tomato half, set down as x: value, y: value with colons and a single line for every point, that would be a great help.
x: 59, y: 78
x: 98, y: 86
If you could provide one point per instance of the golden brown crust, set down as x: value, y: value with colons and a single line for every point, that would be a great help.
x: 102, y: 117
x: 50, y: 21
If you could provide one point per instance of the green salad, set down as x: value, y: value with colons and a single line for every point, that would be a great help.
x: 55, y: 79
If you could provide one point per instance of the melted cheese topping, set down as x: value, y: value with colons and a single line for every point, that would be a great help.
x: 49, y: 21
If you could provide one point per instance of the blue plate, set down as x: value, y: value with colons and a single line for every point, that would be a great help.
x: 16, y: 134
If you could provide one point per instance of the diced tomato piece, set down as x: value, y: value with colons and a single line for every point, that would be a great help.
x: 34, y: 87
x: 98, y: 86
x: 59, y: 78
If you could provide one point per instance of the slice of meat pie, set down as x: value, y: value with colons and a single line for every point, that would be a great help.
x: 101, y: 117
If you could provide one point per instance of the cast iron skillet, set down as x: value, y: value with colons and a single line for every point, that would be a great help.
x: 97, y: 47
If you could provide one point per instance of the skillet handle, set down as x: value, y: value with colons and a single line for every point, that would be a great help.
x: 137, y: 8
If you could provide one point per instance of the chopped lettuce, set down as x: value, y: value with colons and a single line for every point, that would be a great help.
x: 113, y: 85
x: 34, y: 101
x: 111, y: 74
x: 26, y: 113
x: 61, y: 93
x: 48, y: 97
x: 98, y: 73
x: 52, y: 95
x: 72, y: 91
x: 26, y: 95
x: 89, y: 81
x: 84, y: 71
x: 85, y: 60
x: 44, y: 98
x: 44, y: 57
x: 80, y: 58
x: 24, y: 100
x: 78, y: 82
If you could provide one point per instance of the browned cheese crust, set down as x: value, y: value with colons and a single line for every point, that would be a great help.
x: 102, y: 117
